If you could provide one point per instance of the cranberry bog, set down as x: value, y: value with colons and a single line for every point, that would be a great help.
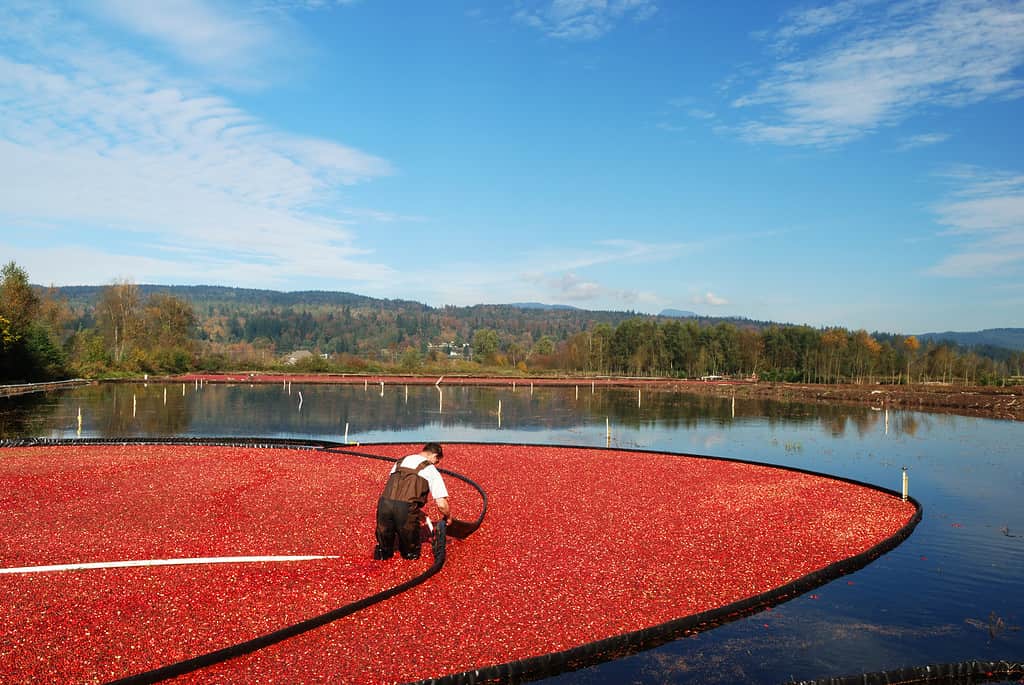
x: 121, y: 560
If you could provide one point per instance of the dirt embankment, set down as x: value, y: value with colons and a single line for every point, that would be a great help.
x: 982, y: 401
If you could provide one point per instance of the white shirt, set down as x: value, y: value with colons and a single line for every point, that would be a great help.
x: 429, y: 473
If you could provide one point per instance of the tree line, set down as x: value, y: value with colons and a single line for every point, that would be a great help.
x: 42, y: 338
x: 123, y: 328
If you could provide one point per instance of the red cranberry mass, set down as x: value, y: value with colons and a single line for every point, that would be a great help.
x: 577, y: 545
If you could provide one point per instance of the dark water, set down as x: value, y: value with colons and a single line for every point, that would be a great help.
x: 953, y: 591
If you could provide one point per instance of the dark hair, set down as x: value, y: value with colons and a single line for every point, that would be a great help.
x: 433, y: 448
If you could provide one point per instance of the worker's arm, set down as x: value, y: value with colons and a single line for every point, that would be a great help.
x: 442, y: 505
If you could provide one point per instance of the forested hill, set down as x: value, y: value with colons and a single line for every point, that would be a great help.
x: 1009, y: 338
x: 311, y: 318
x: 79, y: 296
x: 338, y: 322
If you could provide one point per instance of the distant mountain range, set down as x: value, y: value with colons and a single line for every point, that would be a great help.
x: 1010, y: 338
x: 678, y: 313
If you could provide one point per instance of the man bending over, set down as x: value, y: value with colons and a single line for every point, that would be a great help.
x: 400, y: 507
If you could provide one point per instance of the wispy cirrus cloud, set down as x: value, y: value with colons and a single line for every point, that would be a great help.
x: 874, y: 64
x: 582, y: 19
x: 195, y: 30
x: 95, y: 138
x: 924, y: 140
x: 986, y: 214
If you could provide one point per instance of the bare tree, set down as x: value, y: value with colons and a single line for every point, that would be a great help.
x: 118, y: 317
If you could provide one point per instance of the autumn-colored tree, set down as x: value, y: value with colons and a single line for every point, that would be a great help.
x: 600, y: 342
x: 29, y: 350
x: 751, y: 346
x: 19, y: 304
x: 515, y: 352
x: 168, y: 321
x: 7, y: 337
x: 834, y: 342
x: 938, y: 363
x: 911, y: 346
x: 865, y: 351
x: 118, y: 316
x: 55, y: 314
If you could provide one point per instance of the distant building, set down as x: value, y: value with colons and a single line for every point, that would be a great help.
x: 452, y: 349
x: 297, y: 356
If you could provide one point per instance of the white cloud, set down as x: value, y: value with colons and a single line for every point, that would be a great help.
x: 571, y: 287
x: 709, y: 298
x: 879, y: 63
x: 196, y: 30
x: 98, y: 139
x: 814, y: 20
x: 924, y: 140
x: 582, y: 19
x: 986, y: 214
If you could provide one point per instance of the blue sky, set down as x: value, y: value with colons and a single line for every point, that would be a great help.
x: 855, y: 163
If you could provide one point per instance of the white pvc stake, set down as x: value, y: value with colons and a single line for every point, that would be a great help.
x: 197, y: 384
x: 182, y: 389
x: 165, y: 397
x: 608, y: 431
x: 79, y: 431
x: 346, y: 432
x: 366, y: 384
x: 638, y: 392
x: 134, y: 405
x: 300, y: 400
x: 513, y: 386
x: 407, y: 394
x: 905, y: 484
x: 440, y: 399
x: 531, y: 388
x: 499, y: 413
x: 577, y: 392
x: 591, y: 387
x: 382, y: 388
x: 887, y: 420
x: 734, y: 406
